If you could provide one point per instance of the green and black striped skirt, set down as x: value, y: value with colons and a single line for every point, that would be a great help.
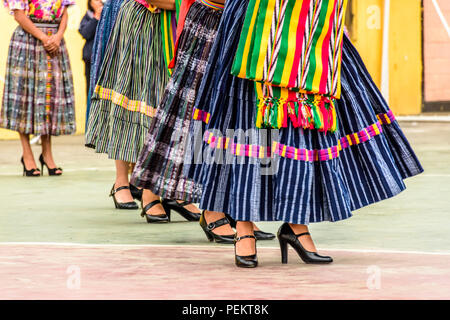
x: 132, y: 79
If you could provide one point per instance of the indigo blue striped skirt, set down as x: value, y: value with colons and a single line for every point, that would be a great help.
x: 130, y: 84
x: 102, y: 33
x: 160, y: 165
x: 293, y: 175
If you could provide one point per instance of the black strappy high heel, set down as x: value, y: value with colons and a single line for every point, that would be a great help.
x: 286, y: 235
x: 155, y: 218
x: 245, y: 261
x: 180, y: 208
x: 209, y: 227
x: 136, y: 192
x: 51, y: 172
x: 122, y: 205
x: 31, y: 172
x: 259, y: 234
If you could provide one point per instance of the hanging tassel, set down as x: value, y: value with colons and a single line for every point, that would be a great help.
x: 304, y: 110
x: 259, y: 113
x: 334, y: 125
x: 291, y: 110
x: 324, y: 113
x: 280, y: 113
x: 273, y: 120
x: 283, y: 119
x: 317, y: 122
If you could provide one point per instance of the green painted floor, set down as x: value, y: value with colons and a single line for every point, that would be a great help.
x: 75, y: 208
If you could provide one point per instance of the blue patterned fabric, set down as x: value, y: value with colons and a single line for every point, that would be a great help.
x: 104, y: 29
x: 300, y: 192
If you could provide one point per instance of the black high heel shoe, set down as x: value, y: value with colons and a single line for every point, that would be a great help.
x: 136, y: 193
x: 209, y: 227
x: 31, y: 172
x: 155, y: 218
x: 122, y: 205
x: 259, y: 234
x: 51, y: 172
x: 180, y: 208
x: 286, y: 235
x: 245, y: 261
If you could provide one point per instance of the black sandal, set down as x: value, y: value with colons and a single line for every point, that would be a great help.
x: 51, y: 172
x: 155, y: 218
x: 30, y: 173
x: 122, y: 205
x: 245, y: 261
x: 209, y: 227
x: 180, y: 208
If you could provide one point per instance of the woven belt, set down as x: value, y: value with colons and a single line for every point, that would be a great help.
x: 46, y: 24
x: 212, y: 4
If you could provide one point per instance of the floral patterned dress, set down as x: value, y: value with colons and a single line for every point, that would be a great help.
x: 40, y: 9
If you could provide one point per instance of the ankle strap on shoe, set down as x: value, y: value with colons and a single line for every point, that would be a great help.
x: 303, y: 234
x: 237, y: 239
x: 151, y: 205
x: 184, y: 203
x: 114, y: 191
x: 221, y: 222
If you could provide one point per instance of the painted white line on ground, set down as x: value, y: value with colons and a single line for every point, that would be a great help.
x: 111, y: 245
x: 421, y: 118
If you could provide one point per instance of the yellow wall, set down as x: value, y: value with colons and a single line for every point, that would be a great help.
x: 406, y: 62
x: 74, y: 43
x: 405, y: 54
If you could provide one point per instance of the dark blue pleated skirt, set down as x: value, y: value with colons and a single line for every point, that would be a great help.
x: 102, y: 33
x: 293, y: 175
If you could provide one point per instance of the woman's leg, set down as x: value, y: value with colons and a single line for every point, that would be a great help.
x: 306, y: 241
x: 122, y: 169
x: 190, y: 207
x: 147, y: 197
x: 212, y: 216
x: 27, y: 153
x: 47, y: 152
x: 245, y: 247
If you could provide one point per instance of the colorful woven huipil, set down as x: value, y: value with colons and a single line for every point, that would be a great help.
x: 293, y: 50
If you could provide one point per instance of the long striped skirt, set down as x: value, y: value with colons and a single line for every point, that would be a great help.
x: 130, y: 85
x: 160, y: 165
x: 38, y: 96
x: 104, y: 28
x: 293, y: 175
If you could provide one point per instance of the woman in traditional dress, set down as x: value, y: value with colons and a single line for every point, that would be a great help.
x: 321, y: 164
x: 38, y: 96
x: 160, y: 166
x: 129, y: 87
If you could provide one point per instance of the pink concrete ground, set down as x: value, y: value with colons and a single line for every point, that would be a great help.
x: 189, y: 272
